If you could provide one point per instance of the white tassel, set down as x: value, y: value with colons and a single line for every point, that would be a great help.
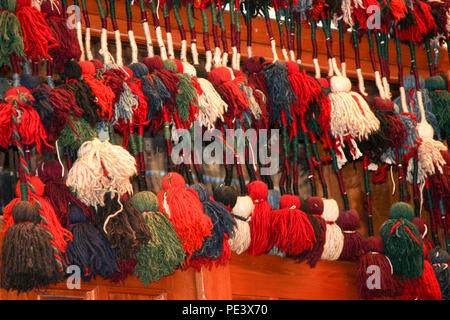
x: 334, y: 239
x: 225, y: 59
x: 194, y: 53
x: 350, y: 113
x: 119, y: 60
x: 404, y: 104
x: 362, y: 89
x: 170, y: 51
x: 379, y: 85
x: 134, y: 49
x: 273, y: 46
x: 217, y: 62
x: 87, y: 177
x: 148, y: 39
x: 249, y: 51
x: 104, y: 47
x: 162, y: 48
x: 285, y: 54
x: 208, y: 62
x: 316, y: 68
x: 183, y: 51
x: 233, y: 57
x: 87, y: 41
x: 240, y: 242
x: 80, y: 40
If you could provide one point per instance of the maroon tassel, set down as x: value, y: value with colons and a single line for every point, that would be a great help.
x: 348, y: 221
x: 374, y: 276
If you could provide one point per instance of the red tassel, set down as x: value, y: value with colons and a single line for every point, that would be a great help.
x: 60, y: 235
x: 37, y: 36
x: 232, y: 93
x: 261, y: 219
x: 104, y: 94
x: 292, y: 231
x: 424, y: 288
x: 184, y: 209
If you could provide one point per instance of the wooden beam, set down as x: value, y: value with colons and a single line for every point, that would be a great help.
x: 261, y: 45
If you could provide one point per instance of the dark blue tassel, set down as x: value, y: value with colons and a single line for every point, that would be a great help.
x: 89, y: 249
x: 280, y: 91
x: 222, y: 220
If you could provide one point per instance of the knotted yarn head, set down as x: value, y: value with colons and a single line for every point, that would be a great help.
x: 348, y: 220
x: 38, y: 186
x: 72, y: 70
x: 189, y: 69
x: 87, y: 67
x: 226, y: 195
x: 401, y: 210
x: 253, y: 65
x: 421, y: 225
x: 330, y: 210
x: 170, y: 65
x: 173, y: 180
x: 436, y: 83
x: 258, y: 191
x: 219, y: 75
x: 340, y: 84
x: 154, y: 63
x: 22, y: 95
x: 373, y: 244
x: 98, y: 64
x: 30, y: 81
x: 383, y: 104
x: 288, y: 201
x: 202, y: 191
x: 292, y: 67
x: 24, y: 211
x: 49, y: 170
x: 139, y: 69
x: 314, y: 205
x: 244, y: 206
x: 145, y: 201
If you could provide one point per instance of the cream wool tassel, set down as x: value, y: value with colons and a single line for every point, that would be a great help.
x: 350, y: 113
x: 430, y: 159
x: 217, y: 62
x: 119, y: 59
x: 208, y: 62
x: 429, y: 156
x: 101, y: 167
x: 243, y: 208
x: 134, y: 49
x: 148, y: 39
x: 211, y: 105
x: 80, y: 39
x: 183, y: 51
x: 170, y: 51
x: 104, y: 47
x: 87, y: 40
x: 334, y: 240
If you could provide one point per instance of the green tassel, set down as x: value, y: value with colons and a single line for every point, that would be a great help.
x: 401, y: 248
x: 164, y: 252
x: 11, y: 37
x: 74, y: 139
x: 186, y: 94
